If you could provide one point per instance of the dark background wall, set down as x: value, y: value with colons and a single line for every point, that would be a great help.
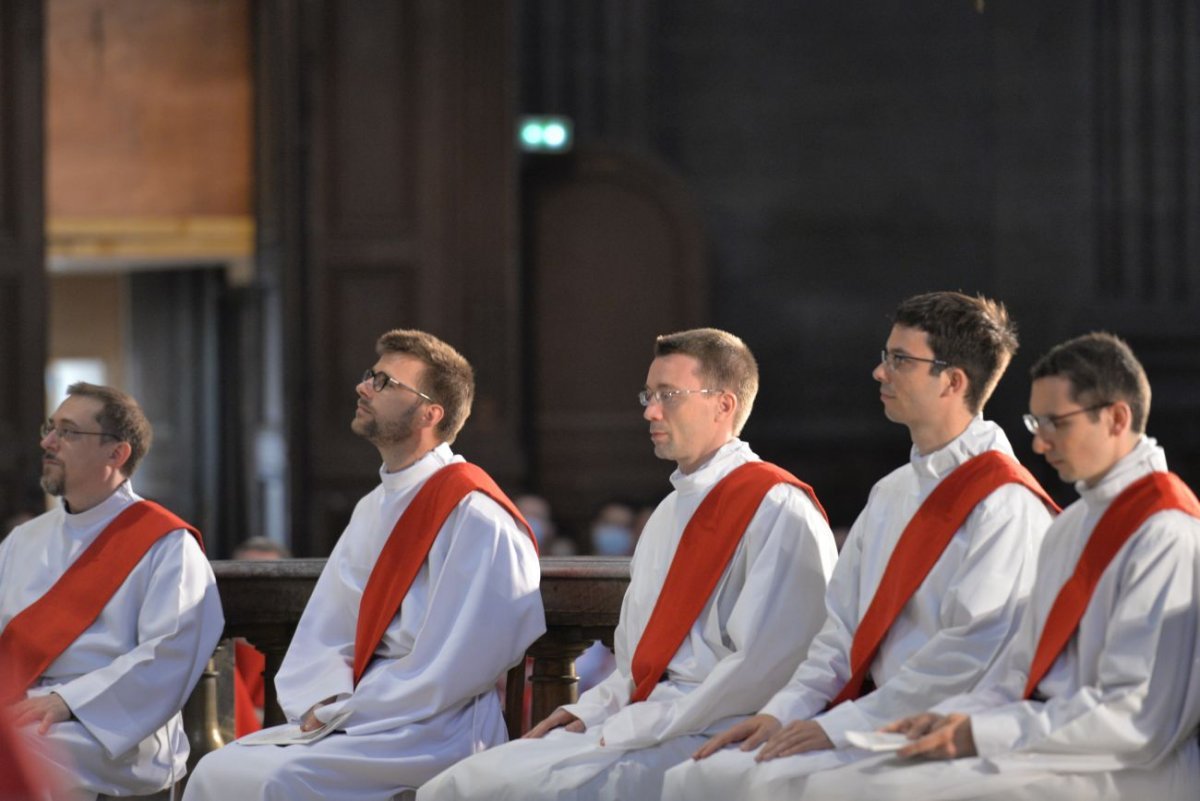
x: 844, y: 156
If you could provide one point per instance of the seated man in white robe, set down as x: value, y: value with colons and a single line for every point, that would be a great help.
x: 108, y: 609
x: 935, y: 571
x: 1098, y: 696
x: 429, y: 595
x: 726, y: 588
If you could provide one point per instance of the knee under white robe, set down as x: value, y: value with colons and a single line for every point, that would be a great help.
x: 428, y: 698
x: 1122, y: 701
x: 947, y: 636
x: 746, y: 642
x: 127, y: 676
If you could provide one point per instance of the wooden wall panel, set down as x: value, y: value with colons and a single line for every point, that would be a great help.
x: 149, y: 108
x: 392, y: 122
x: 22, y: 282
x: 355, y: 308
x: 10, y: 352
x: 369, y: 145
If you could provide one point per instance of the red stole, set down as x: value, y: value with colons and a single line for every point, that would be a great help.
x: 44, y: 629
x: 248, y: 691
x: 921, y: 545
x: 1148, y: 495
x: 705, y: 548
x: 408, y: 546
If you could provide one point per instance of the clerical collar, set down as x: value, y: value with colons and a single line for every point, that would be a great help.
x: 121, y: 497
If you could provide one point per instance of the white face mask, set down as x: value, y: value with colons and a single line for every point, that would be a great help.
x: 539, y: 529
x: 610, y: 539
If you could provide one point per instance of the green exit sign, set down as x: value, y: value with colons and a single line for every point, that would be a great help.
x: 545, y: 134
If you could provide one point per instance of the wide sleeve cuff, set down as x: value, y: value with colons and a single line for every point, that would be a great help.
x: 994, y: 733
x: 592, y: 715
x: 846, y: 716
x: 787, y: 706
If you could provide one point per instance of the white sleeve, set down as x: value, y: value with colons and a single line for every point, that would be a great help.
x: 319, y: 662
x: 789, y: 556
x: 178, y: 625
x: 826, y: 667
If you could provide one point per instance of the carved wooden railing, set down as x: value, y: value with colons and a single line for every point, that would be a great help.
x: 263, y: 601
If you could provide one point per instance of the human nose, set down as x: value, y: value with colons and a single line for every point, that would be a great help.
x: 880, y: 372
x: 652, y: 411
x: 50, y: 437
x: 1040, y: 445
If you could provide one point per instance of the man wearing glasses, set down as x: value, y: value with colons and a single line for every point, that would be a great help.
x: 429, y: 595
x: 726, y: 589
x: 934, y: 573
x: 1098, y: 695
x: 108, y: 609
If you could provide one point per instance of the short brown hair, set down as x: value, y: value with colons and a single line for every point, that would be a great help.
x: 1101, y: 368
x: 447, y: 377
x: 725, y: 362
x: 973, y: 334
x: 122, y: 417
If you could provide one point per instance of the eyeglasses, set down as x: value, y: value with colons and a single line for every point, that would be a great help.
x: 895, y: 361
x: 669, y: 397
x: 70, y: 434
x: 1047, y: 424
x: 379, y: 380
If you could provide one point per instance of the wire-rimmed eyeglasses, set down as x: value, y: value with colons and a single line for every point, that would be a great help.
x: 895, y: 361
x: 68, y: 434
x: 1047, y: 424
x: 669, y: 397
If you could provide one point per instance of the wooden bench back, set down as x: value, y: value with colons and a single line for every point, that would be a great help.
x: 263, y: 601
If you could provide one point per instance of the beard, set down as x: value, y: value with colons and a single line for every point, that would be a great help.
x: 54, y: 480
x: 386, y: 433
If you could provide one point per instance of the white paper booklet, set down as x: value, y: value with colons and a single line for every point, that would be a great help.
x: 878, y: 740
x: 290, y: 734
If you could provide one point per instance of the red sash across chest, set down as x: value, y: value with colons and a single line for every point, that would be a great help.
x: 705, y: 548
x: 37, y: 635
x: 1148, y: 495
x: 408, y: 546
x: 921, y: 545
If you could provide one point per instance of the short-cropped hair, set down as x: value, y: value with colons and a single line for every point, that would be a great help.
x: 1101, y: 368
x: 973, y: 334
x: 725, y: 363
x: 121, y: 416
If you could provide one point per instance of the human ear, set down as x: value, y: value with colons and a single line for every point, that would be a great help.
x: 1122, y: 417
x: 434, y: 413
x: 727, y: 404
x: 120, y: 454
x: 957, y: 381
